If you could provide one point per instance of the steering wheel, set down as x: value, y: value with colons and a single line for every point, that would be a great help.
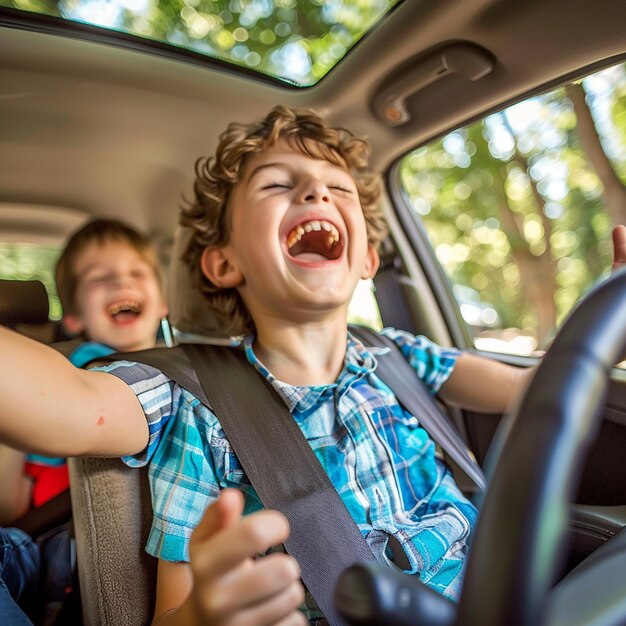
x: 534, y: 466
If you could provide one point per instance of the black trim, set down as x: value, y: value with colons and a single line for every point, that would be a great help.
x: 436, y: 277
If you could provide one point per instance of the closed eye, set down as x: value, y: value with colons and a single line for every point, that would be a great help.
x: 276, y: 186
x: 340, y: 188
x: 98, y: 279
x: 139, y: 273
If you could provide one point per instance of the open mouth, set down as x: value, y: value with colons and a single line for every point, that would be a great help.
x: 315, y: 240
x: 125, y: 311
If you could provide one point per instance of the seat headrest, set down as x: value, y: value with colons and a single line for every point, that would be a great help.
x: 188, y: 311
x: 23, y: 302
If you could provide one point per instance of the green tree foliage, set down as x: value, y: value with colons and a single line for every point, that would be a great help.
x: 298, y: 40
x: 516, y: 208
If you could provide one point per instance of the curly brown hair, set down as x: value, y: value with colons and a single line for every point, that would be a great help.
x: 207, y: 213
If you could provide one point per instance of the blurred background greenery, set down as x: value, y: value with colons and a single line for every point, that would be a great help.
x: 519, y: 206
x: 298, y: 41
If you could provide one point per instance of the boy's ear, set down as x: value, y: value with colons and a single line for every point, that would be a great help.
x: 372, y: 262
x: 219, y: 270
x: 73, y: 324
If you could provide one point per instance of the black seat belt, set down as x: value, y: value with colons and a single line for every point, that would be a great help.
x: 400, y: 377
x: 50, y: 514
x: 277, y: 459
x: 284, y: 470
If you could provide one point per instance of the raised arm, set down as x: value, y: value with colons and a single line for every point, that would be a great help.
x: 50, y: 407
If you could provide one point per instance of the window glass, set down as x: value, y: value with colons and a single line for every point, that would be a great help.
x: 297, y: 41
x: 29, y: 262
x: 519, y: 207
x: 363, y: 307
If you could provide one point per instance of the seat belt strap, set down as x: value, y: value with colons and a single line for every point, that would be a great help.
x: 284, y: 470
x: 51, y: 513
x: 276, y: 458
x: 395, y: 371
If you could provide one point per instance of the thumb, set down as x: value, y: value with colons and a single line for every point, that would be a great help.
x: 222, y: 513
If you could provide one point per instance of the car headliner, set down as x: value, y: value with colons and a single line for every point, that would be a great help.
x: 111, y: 130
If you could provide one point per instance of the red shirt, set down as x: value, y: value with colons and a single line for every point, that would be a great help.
x: 48, y: 481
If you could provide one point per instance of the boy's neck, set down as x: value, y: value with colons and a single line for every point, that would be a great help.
x: 303, y: 354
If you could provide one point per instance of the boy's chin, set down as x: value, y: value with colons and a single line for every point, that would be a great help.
x: 128, y: 339
x: 320, y: 302
x: 134, y: 346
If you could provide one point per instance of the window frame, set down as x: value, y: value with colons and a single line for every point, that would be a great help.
x: 408, y: 225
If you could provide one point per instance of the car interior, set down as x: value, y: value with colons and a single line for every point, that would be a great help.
x: 99, y: 121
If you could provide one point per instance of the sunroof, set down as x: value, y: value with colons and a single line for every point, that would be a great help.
x: 296, y: 41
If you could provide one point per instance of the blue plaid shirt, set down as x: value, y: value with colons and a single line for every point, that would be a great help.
x: 384, y: 466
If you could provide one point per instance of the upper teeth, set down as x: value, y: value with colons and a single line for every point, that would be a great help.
x: 131, y: 305
x: 296, y: 234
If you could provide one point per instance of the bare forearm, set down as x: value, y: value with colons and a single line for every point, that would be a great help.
x: 484, y: 385
x: 51, y: 407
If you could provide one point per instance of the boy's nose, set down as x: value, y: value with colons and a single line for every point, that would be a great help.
x: 121, y: 280
x: 314, y: 191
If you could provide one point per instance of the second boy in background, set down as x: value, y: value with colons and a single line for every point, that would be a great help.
x: 109, y: 284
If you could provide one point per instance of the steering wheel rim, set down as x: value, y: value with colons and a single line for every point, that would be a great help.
x: 519, y: 538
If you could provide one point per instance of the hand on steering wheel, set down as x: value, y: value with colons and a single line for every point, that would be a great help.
x: 534, y: 466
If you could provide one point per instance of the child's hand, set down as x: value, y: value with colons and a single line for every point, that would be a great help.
x: 619, y: 247
x: 230, y: 587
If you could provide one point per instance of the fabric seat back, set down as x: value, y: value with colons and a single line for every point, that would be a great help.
x: 112, y: 517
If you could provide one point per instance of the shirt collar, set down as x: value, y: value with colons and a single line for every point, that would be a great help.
x: 359, y: 362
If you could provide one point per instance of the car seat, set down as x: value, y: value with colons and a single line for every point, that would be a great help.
x: 24, y: 307
x: 112, y: 517
x: 111, y: 502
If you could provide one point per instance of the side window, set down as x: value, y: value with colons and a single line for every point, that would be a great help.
x: 363, y: 307
x: 22, y: 261
x: 519, y: 207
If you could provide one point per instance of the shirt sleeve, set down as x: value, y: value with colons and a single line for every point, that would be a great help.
x: 189, y: 458
x: 156, y: 394
x: 432, y: 363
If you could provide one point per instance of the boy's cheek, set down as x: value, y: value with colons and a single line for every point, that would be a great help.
x: 372, y: 263
x: 73, y: 324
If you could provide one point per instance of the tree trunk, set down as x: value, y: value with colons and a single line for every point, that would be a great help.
x: 537, y: 272
x: 614, y: 191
